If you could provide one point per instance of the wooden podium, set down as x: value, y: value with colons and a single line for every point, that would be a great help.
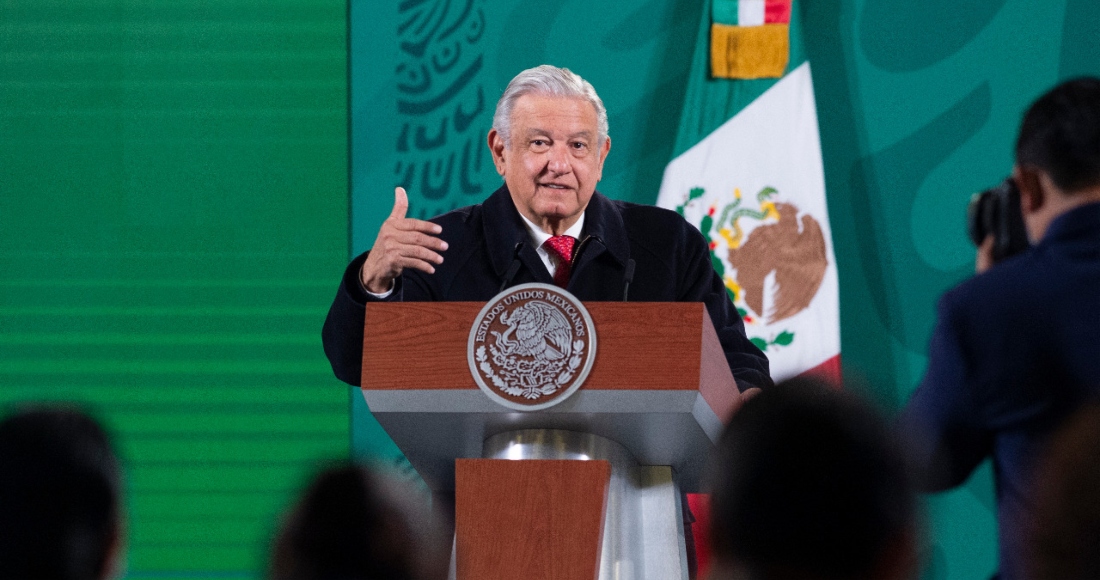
x: 597, y: 493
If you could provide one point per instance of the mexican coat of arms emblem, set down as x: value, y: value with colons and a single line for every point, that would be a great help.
x: 531, y: 346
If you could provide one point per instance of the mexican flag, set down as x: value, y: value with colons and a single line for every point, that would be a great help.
x: 748, y: 174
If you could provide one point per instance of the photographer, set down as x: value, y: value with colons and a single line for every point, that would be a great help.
x: 1017, y: 348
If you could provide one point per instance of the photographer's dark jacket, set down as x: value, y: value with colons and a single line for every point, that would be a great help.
x: 672, y: 264
x: 1014, y: 352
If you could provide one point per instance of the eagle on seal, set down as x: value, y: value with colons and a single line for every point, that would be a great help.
x: 540, y: 331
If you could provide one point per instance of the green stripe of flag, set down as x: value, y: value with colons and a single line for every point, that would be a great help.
x: 724, y: 12
x: 710, y: 102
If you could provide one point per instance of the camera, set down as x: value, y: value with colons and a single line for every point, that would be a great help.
x: 996, y: 212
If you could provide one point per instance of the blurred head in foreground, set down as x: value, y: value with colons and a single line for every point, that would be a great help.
x: 1064, y: 536
x: 808, y: 482
x: 354, y: 524
x: 60, y: 491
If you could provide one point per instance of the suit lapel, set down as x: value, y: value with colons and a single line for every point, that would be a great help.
x: 604, y: 233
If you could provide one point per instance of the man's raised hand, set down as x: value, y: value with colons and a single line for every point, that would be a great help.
x: 401, y: 243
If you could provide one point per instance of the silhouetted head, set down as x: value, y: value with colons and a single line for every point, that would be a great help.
x: 1060, y: 135
x: 353, y: 524
x: 808, y: 482
x: 1058, y: 154
x: 59, y: 497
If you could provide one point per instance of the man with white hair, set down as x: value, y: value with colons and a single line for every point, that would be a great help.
x: 546, y: 224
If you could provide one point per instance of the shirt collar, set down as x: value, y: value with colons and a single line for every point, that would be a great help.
x: 540, y: 237
x: 503, y: 229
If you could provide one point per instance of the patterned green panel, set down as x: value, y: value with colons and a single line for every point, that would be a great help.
x: 919, y: 104
x: 425, y: 78
x: 173, y: 210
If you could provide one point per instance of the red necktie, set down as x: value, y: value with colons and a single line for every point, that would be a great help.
x: 562, y: 247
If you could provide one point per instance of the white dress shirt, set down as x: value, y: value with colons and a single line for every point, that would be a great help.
x: 551, y: 260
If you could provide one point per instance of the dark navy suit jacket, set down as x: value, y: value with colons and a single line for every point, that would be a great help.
x: 672, y: 264
x: 1014, y: 352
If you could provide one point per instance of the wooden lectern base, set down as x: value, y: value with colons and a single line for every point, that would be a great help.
x: 532, y: 519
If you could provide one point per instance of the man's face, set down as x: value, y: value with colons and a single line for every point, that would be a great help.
x: 554, y: 158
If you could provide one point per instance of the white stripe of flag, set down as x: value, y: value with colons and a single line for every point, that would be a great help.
x: 750, y: 12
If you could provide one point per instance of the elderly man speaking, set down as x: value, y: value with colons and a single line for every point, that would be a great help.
x: 547, y: 224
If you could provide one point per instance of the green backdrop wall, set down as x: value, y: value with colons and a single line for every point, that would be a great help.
x: 173, y: 214
x: 918, y: 103
x: 174, y: 207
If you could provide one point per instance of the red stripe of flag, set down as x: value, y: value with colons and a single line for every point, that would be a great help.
x: 777, y: 11
x: 828, y: 371
x: 699, y: 504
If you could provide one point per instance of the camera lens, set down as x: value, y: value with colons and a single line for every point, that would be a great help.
x: 979, y: 216
x: 996, y: 212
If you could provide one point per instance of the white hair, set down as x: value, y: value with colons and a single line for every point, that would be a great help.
x: 550, y: 81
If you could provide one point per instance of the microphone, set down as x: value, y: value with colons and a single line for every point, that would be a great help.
x: 628, y: 277
x: 513, y: 269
